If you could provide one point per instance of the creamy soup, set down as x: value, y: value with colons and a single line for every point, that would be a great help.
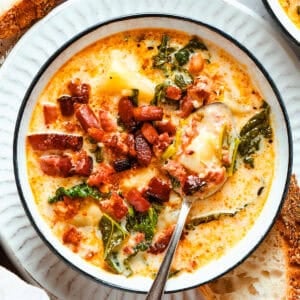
x: 112, y: 144
x: 292, y: 9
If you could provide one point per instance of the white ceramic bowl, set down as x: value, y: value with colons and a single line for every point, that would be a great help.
x: 283, y: 144
x: 277, y: 12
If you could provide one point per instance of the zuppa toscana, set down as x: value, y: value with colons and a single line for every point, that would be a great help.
x: 111, y: 145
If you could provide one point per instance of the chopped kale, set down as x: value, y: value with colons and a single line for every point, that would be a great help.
x: 142, y: 222
x: 81, y: 190
x: 113, y: 234
x: 254, y: 130
x: 164, y: 53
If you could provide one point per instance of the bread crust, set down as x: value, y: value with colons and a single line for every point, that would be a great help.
x: 287, y: 230
x: 22, y: 14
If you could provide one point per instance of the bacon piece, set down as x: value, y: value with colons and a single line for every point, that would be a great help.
x: 196, y: 63
x: 158, y: 190
x: 186, y: 107
x: 163, y: 142
x: 135, y: 198
x: 86, y: 117
x: 117, y: 143
x: 122, y: 164
x: 67, y: 208
x: 193, y: 184
x: 72, y: 236
x: 56, y: 165
x: 115, y: 206
x: 125, y: 110
x: 80, y: 91
x: 50, y: 113
x: 130, y: 141
x: 149, y: 133
x: 173, y: 92
x: 148, y: 113
x: 66, y: 105
x: 200, y: 90
x: 55, y: 141
x: 101, y: 176
x: 166, y: 126
x: 82, y: 164
x: 162, y: 243
x: 216, y: 176
x: 97, y: 134
x: 176, y: 170
x: 143, y: 150
x: 108, y: 124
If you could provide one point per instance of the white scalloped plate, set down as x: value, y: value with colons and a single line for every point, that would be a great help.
x: 16, y: 233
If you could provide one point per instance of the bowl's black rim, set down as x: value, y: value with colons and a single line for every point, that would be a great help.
x: 283, y: 28
x: 93, y: 28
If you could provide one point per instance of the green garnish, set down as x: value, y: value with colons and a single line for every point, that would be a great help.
x: 254, y: 130
x: 77, y: 191
x: 112, y: 234
x: 142, y: 222
x: 182, y: 56
x: 164, y: 53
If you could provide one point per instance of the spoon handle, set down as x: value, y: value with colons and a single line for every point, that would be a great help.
x: 158, y: 285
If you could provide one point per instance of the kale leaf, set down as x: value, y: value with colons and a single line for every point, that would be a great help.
x: 81, y: 190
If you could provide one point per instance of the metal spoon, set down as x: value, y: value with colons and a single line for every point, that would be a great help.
x: 158, y: 285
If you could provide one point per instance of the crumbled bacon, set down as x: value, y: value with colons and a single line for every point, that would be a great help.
x: 186, y: 107
x: 86, y: 117
x: 50, y: 113
x: 102, y: 175
x: 56, y: 165
x: 67, y: 208
x: 117, y: 143
x: 130, y: 141
x: 143, y: 150
x: 66, y: 105
x: 55, y: 141
x: 72, y: 236
x: 158, y: 190
x: 162, y: 143
x: 165, y: 126
x: 136, y: 199
x: 82, y: 164
x: 108, y: 124
x: 162, y: 242
x: 196, y: 63
x: 97, y: 134
x: 173, y: 92
x: 125, y: 110
x: 79, y: 91
x: 193, y: 184
x: 216, y: 175
x: 149, y: 133
x: 201, y: 90
x: 148, y: 113
x: 115, y: 206
x: 176, y: 170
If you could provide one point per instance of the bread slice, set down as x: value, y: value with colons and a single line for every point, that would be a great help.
x: 16, y: 15
x: 272, y: 272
